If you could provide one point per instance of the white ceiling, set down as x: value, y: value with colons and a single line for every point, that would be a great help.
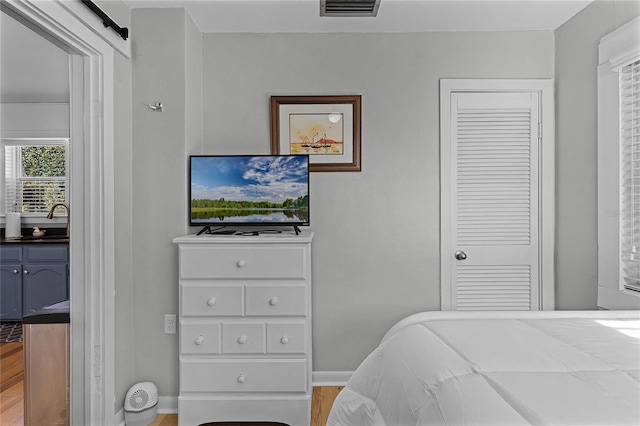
x: 267, y: 16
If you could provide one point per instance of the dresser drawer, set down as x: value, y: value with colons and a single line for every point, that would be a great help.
x: 285, y: 338
x: 244, y: 376
x: 272, y: 300
x: 209, y: 299
x: 200, y: 338
x: 242, y: 262
x: 243, y: 338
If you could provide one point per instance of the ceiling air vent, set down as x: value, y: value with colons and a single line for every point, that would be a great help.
x: 349, y: 7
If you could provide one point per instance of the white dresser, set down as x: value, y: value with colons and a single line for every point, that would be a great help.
x: 245, y: 328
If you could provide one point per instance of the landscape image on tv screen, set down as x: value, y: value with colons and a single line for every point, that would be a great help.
x: 232, y: 190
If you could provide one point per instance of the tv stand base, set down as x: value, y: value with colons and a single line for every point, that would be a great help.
x: 222, y: 231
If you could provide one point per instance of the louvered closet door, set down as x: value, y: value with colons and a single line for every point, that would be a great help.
x: 494, y: 199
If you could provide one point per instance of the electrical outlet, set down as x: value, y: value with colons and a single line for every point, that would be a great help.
x: 169, y: 324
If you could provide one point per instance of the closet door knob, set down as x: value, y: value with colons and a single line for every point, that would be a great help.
x: 15, y: 272
x: 273, y: 301
x: 199, y: 340
x: 460, y: 255
x: 25, y: 272
x: 211, y: 301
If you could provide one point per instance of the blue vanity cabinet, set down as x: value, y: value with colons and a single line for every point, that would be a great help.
x: 43, y: 285
x: 11, y: 283
x: 40, y: 278
x: 45, y: 276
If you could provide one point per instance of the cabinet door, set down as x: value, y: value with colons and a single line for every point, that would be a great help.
x: 10, y: 292
x: 43, y: 285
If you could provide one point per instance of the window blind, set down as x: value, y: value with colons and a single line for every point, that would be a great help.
x: 33, y: 189
x: 630, y: 176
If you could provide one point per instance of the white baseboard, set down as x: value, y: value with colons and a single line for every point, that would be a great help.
x: 168, y: 405
x: 331, y: 378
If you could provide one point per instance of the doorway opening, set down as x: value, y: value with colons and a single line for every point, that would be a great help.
x: 92, y: 269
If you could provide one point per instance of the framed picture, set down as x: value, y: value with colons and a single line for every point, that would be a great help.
x: 327, y: 128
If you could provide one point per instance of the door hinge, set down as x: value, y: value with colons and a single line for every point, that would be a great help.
x: 540, y: 130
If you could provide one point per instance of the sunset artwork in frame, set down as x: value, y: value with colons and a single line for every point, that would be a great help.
x: 327, y: 128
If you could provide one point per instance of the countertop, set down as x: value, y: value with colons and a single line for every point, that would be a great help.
x: 52, y: 314
x: 52, y: 236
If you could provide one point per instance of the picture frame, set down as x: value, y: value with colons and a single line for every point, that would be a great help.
x: 327, y: 128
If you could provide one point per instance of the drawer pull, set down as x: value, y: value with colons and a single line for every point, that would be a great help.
x: 211, y: 301
x: 284, y: 340
x: 15, y: 271
x: 199, y: 340
x: 273, y: 301
x: 241, y: 263
x: 242, y: 339
x: 241, y: 378
x: 25, y: 272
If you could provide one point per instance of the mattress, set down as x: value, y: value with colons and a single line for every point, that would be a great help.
x: 503, y: 368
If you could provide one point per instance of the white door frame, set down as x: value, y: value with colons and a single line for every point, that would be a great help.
x: 546, y: 183
x: 92, y: 269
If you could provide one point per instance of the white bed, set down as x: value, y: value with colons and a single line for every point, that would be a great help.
x: 499, y: 368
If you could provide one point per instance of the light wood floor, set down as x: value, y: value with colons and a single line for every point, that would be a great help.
x: 320, y: 406
x: 11, y: 384
x: 12, y: 381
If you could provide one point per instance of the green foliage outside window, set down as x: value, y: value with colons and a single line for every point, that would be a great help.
x: 43, y: 161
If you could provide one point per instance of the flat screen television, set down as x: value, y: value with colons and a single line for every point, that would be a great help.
x: 240, y: 190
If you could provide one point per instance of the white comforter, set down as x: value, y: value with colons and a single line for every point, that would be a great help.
x: 541, y: 368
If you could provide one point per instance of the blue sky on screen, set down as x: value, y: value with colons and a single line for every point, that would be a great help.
x: 260, y: 178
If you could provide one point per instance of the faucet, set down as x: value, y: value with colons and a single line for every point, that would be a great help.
x: 50, y: 215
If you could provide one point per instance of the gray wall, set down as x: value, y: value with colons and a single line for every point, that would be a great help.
x: 32, y: 68
x: 376, y: 250
x: 165, y: 59
x: 576, y: 60
x: 124, y: 300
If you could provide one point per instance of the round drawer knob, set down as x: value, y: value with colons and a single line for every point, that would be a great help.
x: 242, y: 339
x: 199, y: 340
x: 284, y: 340
x: 273, y: 301
x: 241, y: 263
x: 241, y: 378
x: 211, y: 301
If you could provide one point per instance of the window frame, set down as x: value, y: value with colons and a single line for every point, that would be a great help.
x: 629, y: 178
x: 32, y: 217
x: 616, y: 50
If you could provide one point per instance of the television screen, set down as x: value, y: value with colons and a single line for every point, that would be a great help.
x: 229, y: 190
